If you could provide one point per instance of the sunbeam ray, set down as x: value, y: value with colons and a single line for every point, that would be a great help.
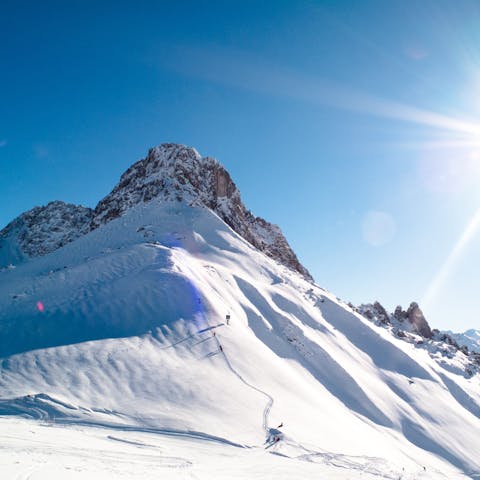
x: 443, y: 273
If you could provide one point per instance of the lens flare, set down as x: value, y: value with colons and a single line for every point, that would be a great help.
x: 378, y: 228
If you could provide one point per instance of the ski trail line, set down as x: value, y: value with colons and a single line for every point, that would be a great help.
x: 266, y: 410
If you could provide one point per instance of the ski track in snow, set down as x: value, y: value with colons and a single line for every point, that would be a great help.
x: 269, y: 404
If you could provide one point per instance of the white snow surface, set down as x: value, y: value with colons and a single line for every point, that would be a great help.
x: 131, y: 370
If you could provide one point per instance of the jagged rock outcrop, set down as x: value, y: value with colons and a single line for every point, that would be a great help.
x: 411, y: 326
x: 399, y: 314
x: 42, y: 230
x: 411, y: 320
x: 177, y: 172
x: 416, y: 318
x: 375, y: 312
x: 170, y: 172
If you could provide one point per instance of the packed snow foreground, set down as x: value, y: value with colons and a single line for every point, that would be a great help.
x: 170, y: 332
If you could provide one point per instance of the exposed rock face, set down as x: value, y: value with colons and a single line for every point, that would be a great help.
x: 416, y: 318
x: 411, y: 320
x: 400, y: 314
x: 375, y: 312
x: 177, y: 172
x: 382, y: 314
x: 44, y: 229
x: 171, y: 172
x: 412, y: 327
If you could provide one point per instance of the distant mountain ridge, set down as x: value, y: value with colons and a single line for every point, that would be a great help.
x: 412, y: 327
x: 469, y: 338
x: 171, y: 172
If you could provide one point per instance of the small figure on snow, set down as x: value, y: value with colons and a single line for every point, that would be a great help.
x: 281, y: 425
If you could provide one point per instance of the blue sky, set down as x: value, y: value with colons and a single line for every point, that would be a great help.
x: 355, y: 126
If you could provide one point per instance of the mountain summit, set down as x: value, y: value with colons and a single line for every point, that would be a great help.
x: 176, y: 172
x: 170, y: 172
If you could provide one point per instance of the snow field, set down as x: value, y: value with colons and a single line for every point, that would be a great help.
x: 127, y: 342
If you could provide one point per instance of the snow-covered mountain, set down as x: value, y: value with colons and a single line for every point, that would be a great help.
x: 469, y: 338
x: 177, y: 314
x: 170, y: 172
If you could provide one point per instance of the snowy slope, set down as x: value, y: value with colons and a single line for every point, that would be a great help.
x: 134, y: 314
x: 469, y: 338
x: 412, y: 327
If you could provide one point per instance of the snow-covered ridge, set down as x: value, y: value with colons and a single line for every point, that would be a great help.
x: 170, y: 172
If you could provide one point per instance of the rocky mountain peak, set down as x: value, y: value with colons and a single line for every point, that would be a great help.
x: 176, y: 172
x: 42, y: 230
x: 170, y: 172
x: 418, y: 320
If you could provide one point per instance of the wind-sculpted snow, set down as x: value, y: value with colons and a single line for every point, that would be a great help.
x: 80, y: 289
x: 371, y: 342
x: 133, y: 336
x: 310, y: 354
